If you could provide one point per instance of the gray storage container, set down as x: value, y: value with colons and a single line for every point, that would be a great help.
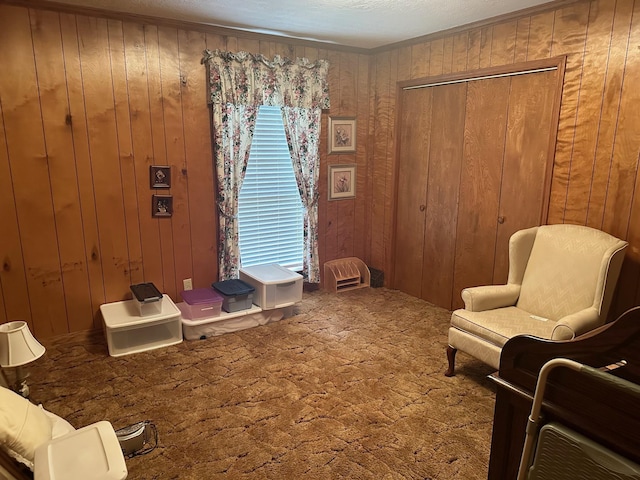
x: 238, y: 295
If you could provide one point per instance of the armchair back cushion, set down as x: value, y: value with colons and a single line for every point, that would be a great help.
x: 566, y: 271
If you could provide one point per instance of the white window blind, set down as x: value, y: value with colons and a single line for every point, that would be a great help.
x: 270, y: 212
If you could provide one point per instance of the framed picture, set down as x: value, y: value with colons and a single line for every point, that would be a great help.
x: 342, y: 134
x: 342, y: 181
x: 160, y: 176
x: 161, y: 205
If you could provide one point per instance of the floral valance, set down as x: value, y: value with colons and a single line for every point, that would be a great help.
x: 251, y: 79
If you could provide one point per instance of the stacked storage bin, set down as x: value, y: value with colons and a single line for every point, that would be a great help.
x: 262, y: 294
x: 275, y: 285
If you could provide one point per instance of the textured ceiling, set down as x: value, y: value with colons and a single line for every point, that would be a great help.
x: 356, y: 23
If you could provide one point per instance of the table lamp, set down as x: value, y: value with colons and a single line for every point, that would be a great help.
x: 18, y: 347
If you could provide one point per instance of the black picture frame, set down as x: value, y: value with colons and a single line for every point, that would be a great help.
x: 160, y: 176
x: 161, y: 205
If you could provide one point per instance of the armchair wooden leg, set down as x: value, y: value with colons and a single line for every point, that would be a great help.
x: 451, y: 357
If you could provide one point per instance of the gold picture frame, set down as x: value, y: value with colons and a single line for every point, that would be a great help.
x: 342, y: 134
x: 342, y: 181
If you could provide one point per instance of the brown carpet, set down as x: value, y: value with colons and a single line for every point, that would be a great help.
x: 350, y: 387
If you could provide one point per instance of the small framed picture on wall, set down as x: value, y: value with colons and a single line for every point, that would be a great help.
x: 161, y: 205
x: 342, y: 181
x: 160, y: 176
x: 342, y: 134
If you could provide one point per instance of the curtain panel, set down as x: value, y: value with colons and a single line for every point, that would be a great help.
x: 238, y: 84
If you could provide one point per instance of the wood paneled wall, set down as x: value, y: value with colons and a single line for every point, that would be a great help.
x: 595, y: 173
x: 87, y: 104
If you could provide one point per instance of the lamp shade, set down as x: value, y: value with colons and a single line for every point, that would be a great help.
x: 17, y: 345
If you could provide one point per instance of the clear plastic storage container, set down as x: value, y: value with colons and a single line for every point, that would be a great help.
x: 276, y: 286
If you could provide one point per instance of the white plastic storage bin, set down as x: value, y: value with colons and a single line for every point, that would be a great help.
x: 200, y: 303
x: 231, y: 322
x: 127, y: 332
x: 275, y: 286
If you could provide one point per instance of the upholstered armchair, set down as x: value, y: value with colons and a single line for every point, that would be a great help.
x: 560, y: 285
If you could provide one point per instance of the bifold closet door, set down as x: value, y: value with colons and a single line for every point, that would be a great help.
x: 431, y: 143
x: 473, y: 169
x: 503, y: 185
x: 415, y: 136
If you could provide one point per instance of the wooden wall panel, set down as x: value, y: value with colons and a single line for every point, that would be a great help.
x: 622, y: 204
x: 460, y: 45
x: 522, y: 40
x: 588, y: 113
x: 382, y: 123
x: 88, y: 104
x: 345, y: 221
x: 595, y: 173
x: 179, y: 231
x: 49, y: 56
x: 13, y: 281
x: 361, y: 202
x: 570, y: 27
x: 198, y: 159
x: 125, y: 150
x: 29, y: 170
x: 503, y: 43
x: 159, y: 145
x: 82, y: 157
x: 608, y: 119
x: 329, y: 216
x: 142, y: 133
x: 473, y: 50
x: 420, y: 55
x: 104, y: 151
x: 626, y: 148
x: 486, y: 43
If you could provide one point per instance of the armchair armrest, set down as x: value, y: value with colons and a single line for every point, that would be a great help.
x: 479, y: 299
x: 576, y: 324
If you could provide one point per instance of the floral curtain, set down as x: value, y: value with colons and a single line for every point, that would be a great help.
x: 302, y: 128
x: 238, y: 84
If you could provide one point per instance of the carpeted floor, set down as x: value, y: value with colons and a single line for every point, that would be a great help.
x: 349, y: 387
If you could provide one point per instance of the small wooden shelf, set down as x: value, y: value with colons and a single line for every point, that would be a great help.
x: 346, y: 274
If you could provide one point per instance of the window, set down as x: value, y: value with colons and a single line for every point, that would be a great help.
x: 270, y: 212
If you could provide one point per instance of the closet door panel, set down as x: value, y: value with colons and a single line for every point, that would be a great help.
x: 415, y: 132
x: 480, y: 183
x: 523, y: 190
x: 446, y: 149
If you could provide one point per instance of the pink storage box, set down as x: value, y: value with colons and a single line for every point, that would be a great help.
x: 201, y: 303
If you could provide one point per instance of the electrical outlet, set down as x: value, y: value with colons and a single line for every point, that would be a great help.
x: 187, y: 284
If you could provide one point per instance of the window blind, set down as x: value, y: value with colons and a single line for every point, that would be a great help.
x: 270, y: 212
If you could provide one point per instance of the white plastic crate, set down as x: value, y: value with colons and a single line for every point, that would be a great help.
x: 127, y: 332
x: 231, y: 322
x: 275, y: 286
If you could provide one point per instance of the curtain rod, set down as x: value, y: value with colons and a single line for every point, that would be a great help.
x: 485, y: 77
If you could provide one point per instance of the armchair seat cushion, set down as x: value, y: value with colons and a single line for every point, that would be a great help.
x: 499, y: 325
